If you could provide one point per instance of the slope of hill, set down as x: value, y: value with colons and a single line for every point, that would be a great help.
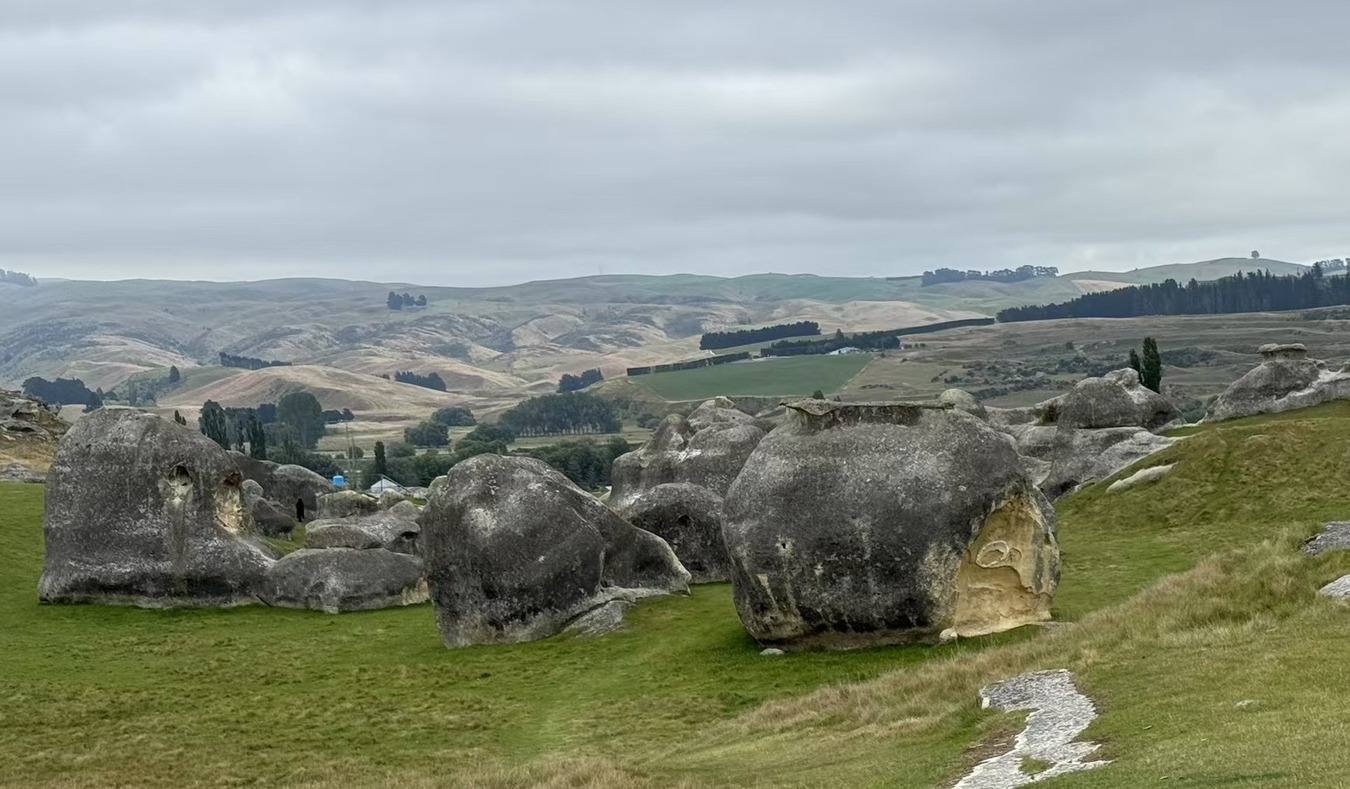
x: 1182, y: 272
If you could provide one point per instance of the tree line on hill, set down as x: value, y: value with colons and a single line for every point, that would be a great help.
x: 1256, y: 291
x: 429, y: 381
x: 1018, y: 274
x: 1334, y: 264
x: 18, y: 278
x: 558, y: 414
x: 397, y: 301
x: 585, y: 461
x: 284, y: 432
x: 248, y: 362
x: 864, y: 341
x: 717, y: 340
x: 693, y: 364
x: 572, y: 383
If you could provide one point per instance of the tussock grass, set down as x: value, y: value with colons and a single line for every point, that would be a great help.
x: 1196, y: 629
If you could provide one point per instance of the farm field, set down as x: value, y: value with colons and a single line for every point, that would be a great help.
x: 792, y: 376
x: 1197, y: 632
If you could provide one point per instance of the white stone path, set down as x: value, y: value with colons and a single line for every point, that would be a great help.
x: 1059, y: 714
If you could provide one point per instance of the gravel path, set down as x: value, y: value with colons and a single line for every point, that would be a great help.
x: 1059, y: 713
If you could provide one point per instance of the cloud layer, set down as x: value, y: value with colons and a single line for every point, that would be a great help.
x: 491, y: 142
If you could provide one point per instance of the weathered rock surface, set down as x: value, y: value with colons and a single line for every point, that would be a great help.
x: 1061, y: 459
x: 294, y: 489
x: 269, y: 519
x: 689, y: 518
x: 142, y: 511
x: 707, y: 448
x: 387, y: 530
x: 514, y: 551
x: 1117, y: 399
x: 1335, y: 536
x: 857, y: 524
x: 1059, y: 713
x: 962, y: 400
x: 1284, y: 380
x: 1338, y: 589
x: 345, y: 504
x: 343, y: 579
x: 389, y: 498
x: 406, y: 509
x: 17, y: 472
x: 1144, y: 475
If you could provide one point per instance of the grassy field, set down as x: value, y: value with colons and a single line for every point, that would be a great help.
x: 1196, y: 630
x: 786, y: 377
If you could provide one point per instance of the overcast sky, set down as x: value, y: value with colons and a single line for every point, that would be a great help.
x: 492, y: 142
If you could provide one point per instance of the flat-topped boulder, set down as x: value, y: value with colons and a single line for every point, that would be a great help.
x: 707, y: 448
x: 143, y: 511
x: 388, y: 530
x: 344, y: 579
x: 876, y: 523
x: 1116, y: 399
x: 1285, y: 380
x: 515, y: 551
x: 689, y: 518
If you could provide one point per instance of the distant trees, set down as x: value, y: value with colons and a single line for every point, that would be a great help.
x: 864, y: 341
x: 1255, y: 291
x: 427, y: 434
x: 174, y: 375
x: 67, y: 391
x: 381, y: 463
x: 397, y: 301
x: 179, y: 418
x: 1136, y: 364
x: 333, y: 416
x: 257, y: 438
x: 213, y: 424
x: 454, y: 416
x: 500, y: 435
x: 585, y: 462
x: 301, y: 412
x: 730, y: 339
x: 1150, y: 370
x: 429, y: 381
x: 248, y: 362
x: 1334, y: 264
x: 1018, y: 274
x: 571, y: 383
x: 571, y: 412
x: 17, y: 278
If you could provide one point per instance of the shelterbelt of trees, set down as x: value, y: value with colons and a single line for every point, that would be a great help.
x: 715, y: 340
x: 1257, y: 291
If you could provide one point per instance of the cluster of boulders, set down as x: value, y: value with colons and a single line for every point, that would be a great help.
x: 143, y: 511
x: 30, y: 426
x: 1089, y: 433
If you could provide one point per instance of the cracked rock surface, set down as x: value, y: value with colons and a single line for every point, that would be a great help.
x: 1059, y: 713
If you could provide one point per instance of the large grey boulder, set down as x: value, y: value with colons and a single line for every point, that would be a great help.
x: 514, y: 551
x: 689, y: 518
x: 706, y: 448
x: 294, y: 489
x: 1117, y: 399
x: 343, y: 579
x: 878, y: 523
x: 1060, y: 459
x: 143, y: 511
x: 1285, y: 380
x: 387, y: 530
x: 345, y: 504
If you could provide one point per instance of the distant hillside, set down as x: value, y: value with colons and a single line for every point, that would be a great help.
x: 1184, y: 272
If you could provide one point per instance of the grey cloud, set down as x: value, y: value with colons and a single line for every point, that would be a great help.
x: 484, y: 142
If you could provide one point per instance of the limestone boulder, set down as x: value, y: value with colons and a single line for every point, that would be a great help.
x: 406, y: 510
x: 1117, y: 399
x: 962, y: 400
x: 386, y: 530
x: 344, y: 579
x: 143, y: 511
x: 1285, y: 380
x: 294, y: 489
x: 707, y: 448
x: 345, y: 504
x: 514, y: 551
x: 389, y: 498
x: 878, y: 523
x: 689, y: 518
x: 269, y: 519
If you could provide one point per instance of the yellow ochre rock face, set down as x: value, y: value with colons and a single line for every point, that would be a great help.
x: 1007, y: 576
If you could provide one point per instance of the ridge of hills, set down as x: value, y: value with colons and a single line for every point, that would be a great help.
x: 492, y: 346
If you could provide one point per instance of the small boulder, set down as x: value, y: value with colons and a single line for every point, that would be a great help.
x: 1335, y: 536
x: 876, y: 523
x: 1078, y: 457
x: 1151, y: 474
x: 143, y: 511
x: 345, y: 504
x: 514, y: 552
x: 364, y: 532
x: 689, y: 518
x: 406, y: 510
x: 342, y: 579
x: 962, y: 400
x: 707, y: 448
x: 389, y: 498
x: 1117, y: 399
